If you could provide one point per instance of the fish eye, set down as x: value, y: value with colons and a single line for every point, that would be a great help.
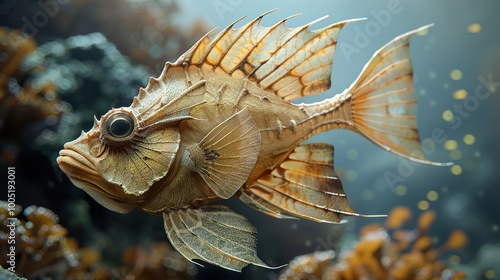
x: 120, y: 125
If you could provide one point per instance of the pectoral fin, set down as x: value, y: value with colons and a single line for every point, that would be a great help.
x: 214, y: 234
x: 227, y: 154
x: 304, y: 185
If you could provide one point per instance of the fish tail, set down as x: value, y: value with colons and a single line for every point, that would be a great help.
x: 384, y: 104
x: 380, y: 104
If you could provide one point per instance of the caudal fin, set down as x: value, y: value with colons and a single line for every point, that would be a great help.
x: 384, y: 104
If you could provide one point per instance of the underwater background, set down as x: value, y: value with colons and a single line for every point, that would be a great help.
x: 86, y: 57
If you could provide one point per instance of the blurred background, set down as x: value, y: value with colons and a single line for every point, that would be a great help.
x: 64, y: 61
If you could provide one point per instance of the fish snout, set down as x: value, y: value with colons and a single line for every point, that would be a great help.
x: 75, y: 164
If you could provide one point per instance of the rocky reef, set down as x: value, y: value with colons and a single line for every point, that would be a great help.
x: 43, y: 250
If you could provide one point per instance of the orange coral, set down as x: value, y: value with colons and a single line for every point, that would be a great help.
x: 41, y: 246
x: 44, y: 250
x: 377, y: 256
x: 160, y: 261
x: 308, y: 266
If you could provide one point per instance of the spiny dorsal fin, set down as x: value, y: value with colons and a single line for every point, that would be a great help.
x: 292, y: 62
x: 304, y: 185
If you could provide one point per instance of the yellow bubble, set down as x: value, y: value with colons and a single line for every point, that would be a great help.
x: 423, y: 205
x: 448, y: 115
x: 460, y: 94
x: 474, y: 28
x: 401, y: 190
x: 456, y: 74
x: 456, y: 169
x: 352, y: 154
x: 432, y: 195
x: 351, y: 175
x: 368, y: 195
x: 489, y: 274
x: 455, y: 155
x: 469, y: 139
x: 450, y: 145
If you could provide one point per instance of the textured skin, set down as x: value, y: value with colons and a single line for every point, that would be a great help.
x: 219, y: 122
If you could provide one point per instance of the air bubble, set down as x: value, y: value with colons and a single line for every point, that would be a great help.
x: 474, y: 28
x: 456, y: 74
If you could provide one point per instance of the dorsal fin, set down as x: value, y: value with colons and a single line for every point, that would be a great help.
x: 292, y: 62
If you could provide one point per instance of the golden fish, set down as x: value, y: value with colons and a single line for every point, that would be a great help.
x: 219, y: 122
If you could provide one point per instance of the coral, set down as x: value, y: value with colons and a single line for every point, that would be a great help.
x: 26, y: 107
x: 41, y: 247
x: 7, y: 275
x: 146, y: 31
x: 160, y: 261
x: 311, y: 266
x: 83, y: 66
x: 409, y: 254
x: 32, y: 80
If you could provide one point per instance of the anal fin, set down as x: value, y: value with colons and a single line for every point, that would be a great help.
x: 304, y: 185
x: 214, y: 234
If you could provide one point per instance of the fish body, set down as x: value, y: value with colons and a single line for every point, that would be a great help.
x: 219, y: 122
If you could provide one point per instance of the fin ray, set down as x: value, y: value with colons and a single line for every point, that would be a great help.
x: 269, y: 55
x: 214, y: 234
x: 234, y: 141
x: 303, y: 185
x: 384, y: 104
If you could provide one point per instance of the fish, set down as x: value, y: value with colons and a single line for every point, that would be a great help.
x: 220, y: 122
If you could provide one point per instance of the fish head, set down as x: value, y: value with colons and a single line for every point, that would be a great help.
x: 120, y: 158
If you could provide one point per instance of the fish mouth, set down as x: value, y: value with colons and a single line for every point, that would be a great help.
x: 78, y: 167
x: 82, y: 171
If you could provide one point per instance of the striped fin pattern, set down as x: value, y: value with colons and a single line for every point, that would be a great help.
x: 228, y: 152
x: 214, y: 234
x: 292, y: 62
x: 304, y: 185
x: 384, y: 104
